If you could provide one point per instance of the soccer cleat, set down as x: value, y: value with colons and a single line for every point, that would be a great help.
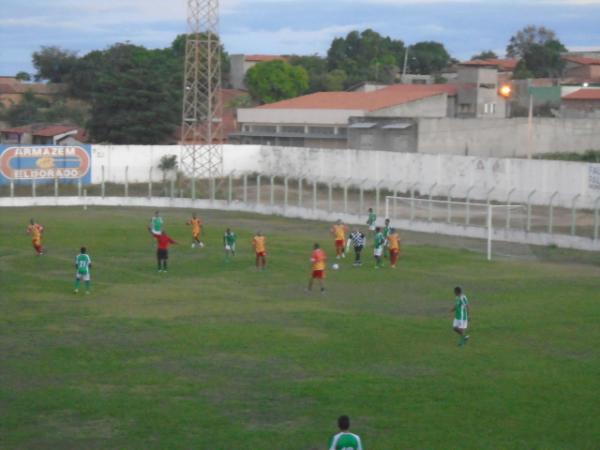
x: 76, y: 290
x: 193, y: 245
x: 343, y: 255
x: 201, y: 244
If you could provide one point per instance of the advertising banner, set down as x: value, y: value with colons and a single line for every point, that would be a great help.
x: 22, y: 164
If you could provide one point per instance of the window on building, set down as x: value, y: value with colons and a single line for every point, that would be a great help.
x: 489, y: 108
x: 246, y: 128
x: 321, y: 130
x: 342, y: 131
x: 292, y: 129
x: 464, y: 108
x: 264, y: 129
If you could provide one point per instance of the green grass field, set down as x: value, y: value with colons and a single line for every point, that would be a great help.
x: 218, y: 356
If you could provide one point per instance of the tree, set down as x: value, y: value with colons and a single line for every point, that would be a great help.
x: 23, y: 76
x: 486, y: 54
x: 366, y: 56
x: 53, y: 63
x: 276, y: 80
x: 167, y: 164
x: 335, y: 80
x: 134, y: 98
x: 524, y: 38
x: 316, y: 67
x: 29, y: 110
x: 427, y: 57
x: 541, y: 61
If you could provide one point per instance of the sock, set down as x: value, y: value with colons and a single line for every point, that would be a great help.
x: 76, y: 283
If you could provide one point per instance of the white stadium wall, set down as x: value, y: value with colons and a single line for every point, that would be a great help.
x: 496, y: 178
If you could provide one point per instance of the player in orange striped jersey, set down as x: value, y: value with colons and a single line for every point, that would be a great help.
x: 318, y: 259
x: 394, y: 246
x: 196, y: 231
x: 259, y: 242
x: 36, y: 230
x: 339, y: 230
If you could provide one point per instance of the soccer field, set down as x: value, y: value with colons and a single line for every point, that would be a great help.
x: 214, y: 355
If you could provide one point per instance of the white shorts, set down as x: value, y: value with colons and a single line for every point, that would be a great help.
x: 372, y: 227
x: 83, y: 276
x: 230, y: 247
x: 461, y: 324
x: 378, y: 251
x: 156, y: 233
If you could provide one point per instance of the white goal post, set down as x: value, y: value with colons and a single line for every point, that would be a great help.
x: 468, y: 219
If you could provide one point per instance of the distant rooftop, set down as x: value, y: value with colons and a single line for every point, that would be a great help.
x: 370, y: 101
x: 583, y: 94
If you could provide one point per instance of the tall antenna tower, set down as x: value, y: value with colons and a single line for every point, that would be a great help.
x: 201, y: 123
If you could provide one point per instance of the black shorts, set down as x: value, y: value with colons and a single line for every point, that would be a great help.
x: 358, y: 249
x: 162, y: 253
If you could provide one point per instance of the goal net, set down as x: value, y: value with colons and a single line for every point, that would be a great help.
x: 493, y: 229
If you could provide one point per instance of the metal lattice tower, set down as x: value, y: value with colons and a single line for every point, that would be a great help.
x: 201, y: 123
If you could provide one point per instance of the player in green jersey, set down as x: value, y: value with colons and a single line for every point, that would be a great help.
x: 461, y: 316
x: 371, y: 220
x: 83, y: 264
x: 229, y: 239
x: 378, y: 247
x: 345, y: 440
x: 156, y: 224
x: 387, y: 228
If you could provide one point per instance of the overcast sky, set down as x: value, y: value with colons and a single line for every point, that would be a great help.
x: 287, y: 26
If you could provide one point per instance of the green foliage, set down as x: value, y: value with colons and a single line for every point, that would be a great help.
x: 335, y: 80
x: 53, y: 64
x: 592, y: 156
x: 366, y: 56
x: 240, y: 101
x: 521, y: 42
x: 276, y: 80
x: 215, y: 355
x: 135, y: 97
x: 29, y: 110
x: 541, y: 61
x: 23, y: 76
x: 486, y: 54
x: 427, y: 57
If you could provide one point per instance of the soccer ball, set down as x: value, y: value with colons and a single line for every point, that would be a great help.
x: 335, y: 266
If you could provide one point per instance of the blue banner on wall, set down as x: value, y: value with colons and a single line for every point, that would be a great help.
x: 24, y: 163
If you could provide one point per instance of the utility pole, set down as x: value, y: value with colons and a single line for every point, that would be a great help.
x: 202, y: 112
x: 530, y: 128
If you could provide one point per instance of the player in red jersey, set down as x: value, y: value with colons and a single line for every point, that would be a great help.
x: 163, y: 242
x: 36, y: 230
x: 318, y: 259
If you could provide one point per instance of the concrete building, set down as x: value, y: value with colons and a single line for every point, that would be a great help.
x: 347, y: 119
x: 322, y: 119
x: 581, y: 104
x: 240, y: 64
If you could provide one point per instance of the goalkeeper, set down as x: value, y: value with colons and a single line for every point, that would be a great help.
x: 357, y: 239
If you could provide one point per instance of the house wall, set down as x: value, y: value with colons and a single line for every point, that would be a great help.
x: 237, y: 72
x: 330, y: 117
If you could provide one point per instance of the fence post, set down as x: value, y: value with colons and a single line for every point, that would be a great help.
x: 285, y: 192
x: 56, y: 186
x: 258, y: 189
x: 596, y: 217
x: 395, y: 194
x: 361, y: 198
x: 488, y: 196
x: 33, y: 186
x: 430, y: 196
x: 272, y: 199
x: 102, y: 187
x: 346, y: 181
x: 193, y: 186
x: 468, y: 214
x: 12, y: 189
x: 230, y: 188
x: 85, y: 199
x: 529, y: 210
x: 172, y: 188
x: 150, y: 183
x: 213, y: 188
x: 330, y: 195
x: 245, y: 189
x: 412, y: 200
x: 489, y: 231
x: 574, y: 214
x: 300, y: 192
x: 510, y: 193
x: 551, y: 214
x: 126, y: 181
x: 79, y: 187
x: 449, y: 218
x: 314, y: 202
